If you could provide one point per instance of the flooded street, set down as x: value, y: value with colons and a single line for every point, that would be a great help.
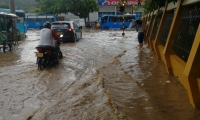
x: 104, y: 76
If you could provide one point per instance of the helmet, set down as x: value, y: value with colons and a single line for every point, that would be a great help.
x: 47, y: 24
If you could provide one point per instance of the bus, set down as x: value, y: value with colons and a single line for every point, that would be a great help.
x: 115, y: 21
x: 35, y: 21
x: 20, y: 20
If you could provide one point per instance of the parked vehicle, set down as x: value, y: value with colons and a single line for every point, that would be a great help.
x: 37, y: 21
x: 7, y: 31
x: 68, y: 31
x: 20, y: 20
x: 115, y: 21
x: 46, y: 56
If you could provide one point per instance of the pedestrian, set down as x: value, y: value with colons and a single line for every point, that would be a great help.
x: 141, y: 32
x: 97, y: 25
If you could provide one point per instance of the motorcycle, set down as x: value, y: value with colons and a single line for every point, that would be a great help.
x: 46, y: 56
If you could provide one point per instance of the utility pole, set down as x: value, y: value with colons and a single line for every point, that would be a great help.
x: 12, y: 10
x: 12, y: 7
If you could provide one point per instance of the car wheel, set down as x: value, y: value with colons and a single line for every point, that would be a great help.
x: 81, y: 36
x: 106, y: 28
x: 75, y: 38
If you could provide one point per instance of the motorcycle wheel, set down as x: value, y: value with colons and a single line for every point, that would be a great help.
x: 60, y: 55
x: 39, y: 64
x: 42, y: 63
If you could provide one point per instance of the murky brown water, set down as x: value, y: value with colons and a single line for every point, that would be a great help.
x: 102, y: 77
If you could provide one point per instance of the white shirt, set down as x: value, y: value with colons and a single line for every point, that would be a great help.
x: 46, y: 38
x: 140, y: 28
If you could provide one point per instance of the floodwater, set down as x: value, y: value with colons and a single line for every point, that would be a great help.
x: 104, y: 76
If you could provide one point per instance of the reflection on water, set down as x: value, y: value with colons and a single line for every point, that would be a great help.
x: 8, y: 58
x: 19, y: 53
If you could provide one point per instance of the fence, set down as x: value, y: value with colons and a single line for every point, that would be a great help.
x: 173, y: 32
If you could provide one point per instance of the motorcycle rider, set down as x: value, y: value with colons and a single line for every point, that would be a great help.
x: 47, y: 37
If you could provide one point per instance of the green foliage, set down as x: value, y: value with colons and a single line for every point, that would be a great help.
x: 155, y: 4
x: 26, y: 5
x: 82, y: 8
x: 4, y: 6
x: 47, y: 6
x: 85, y: 7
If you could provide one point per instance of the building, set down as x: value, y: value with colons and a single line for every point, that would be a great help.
x: 110, y: 7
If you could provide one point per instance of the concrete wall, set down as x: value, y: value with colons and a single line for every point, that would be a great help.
x: 106, y: 8
x: 93, y: 16
x: 187, y: 71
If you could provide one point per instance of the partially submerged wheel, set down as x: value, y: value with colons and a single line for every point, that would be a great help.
x: 81, y: 36
x: 39, y: 64
x: 60, y: 55
x: 75, y: 38
x: 106, y: 28
x: 42, y: 63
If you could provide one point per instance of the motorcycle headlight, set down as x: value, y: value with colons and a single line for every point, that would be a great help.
x: 61, y: 35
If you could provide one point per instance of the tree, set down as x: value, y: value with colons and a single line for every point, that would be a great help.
x: 4, y: 6
x: 150, y: 5
x: 48, y: 6
x: 81, y: 8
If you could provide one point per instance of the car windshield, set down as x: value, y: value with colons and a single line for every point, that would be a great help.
x: 60, y: 25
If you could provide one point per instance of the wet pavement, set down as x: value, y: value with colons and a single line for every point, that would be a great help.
x: 104, y: 76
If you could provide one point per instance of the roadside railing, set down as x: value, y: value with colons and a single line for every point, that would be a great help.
x: 173, y: 32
